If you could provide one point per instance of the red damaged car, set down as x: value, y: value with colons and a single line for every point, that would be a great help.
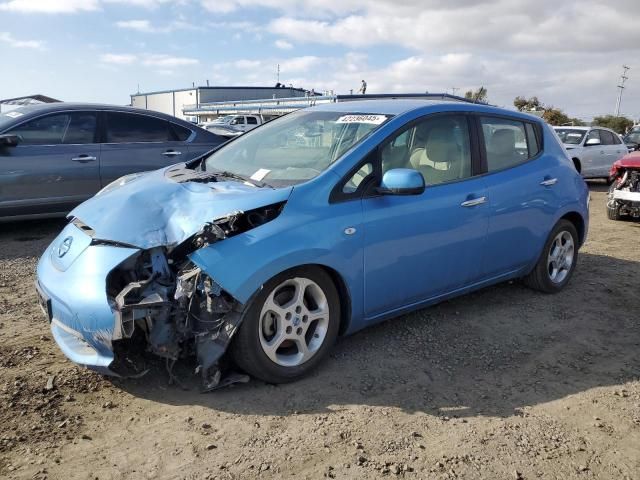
x: 624, y: 194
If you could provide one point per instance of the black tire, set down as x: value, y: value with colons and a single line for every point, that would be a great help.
x: 246, y: 349
x: 613, y: 211
x: 539, y: 278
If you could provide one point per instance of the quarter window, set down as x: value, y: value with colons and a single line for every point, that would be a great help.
x: 507, y: 142
x: 180, y: 133
x: 438, y: 147
x: 357, y: 179
x: 131, y: 128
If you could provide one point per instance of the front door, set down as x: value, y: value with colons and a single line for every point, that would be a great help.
x: 54, y: 167
x: 419, y: 247
x: 137, y: 143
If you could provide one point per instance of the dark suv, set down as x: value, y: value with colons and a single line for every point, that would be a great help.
x: 55, y: 156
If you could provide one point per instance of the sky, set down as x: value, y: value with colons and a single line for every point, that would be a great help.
x: 569, y: 53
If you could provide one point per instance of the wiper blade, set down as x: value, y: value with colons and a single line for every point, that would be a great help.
x: 241, y: 178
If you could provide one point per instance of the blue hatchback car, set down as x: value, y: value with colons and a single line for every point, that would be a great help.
x: 311, y: 226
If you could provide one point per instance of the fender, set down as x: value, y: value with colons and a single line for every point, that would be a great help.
x: 243, y: 263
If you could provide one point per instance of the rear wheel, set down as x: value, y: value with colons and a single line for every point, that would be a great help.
x: 289, y: 327
x: 557, y: 261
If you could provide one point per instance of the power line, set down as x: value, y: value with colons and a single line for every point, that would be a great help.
x: 623, y: 78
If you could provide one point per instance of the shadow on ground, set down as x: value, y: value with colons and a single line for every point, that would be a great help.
x: 488, y: 353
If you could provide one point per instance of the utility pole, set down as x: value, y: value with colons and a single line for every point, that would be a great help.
x: 623, y: 78
x: 454, y: 90
x: 278, y: 73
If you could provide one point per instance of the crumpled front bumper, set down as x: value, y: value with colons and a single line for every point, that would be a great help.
x: 71, y: 283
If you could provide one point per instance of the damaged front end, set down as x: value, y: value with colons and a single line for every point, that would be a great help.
x: 179, y: 311
x: 624, y: 194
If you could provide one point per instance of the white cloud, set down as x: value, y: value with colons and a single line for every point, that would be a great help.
x: 72, y: 6
x: 138, y: 25
x: 167, y: 61
x: 283, y: 44
x: 118, y: 58
x: 145, y: 26
x: 160, y: 62
x: 6, y: 37
x: 49, y: 6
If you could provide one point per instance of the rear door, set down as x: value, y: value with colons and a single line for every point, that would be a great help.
x: 53, y: 168
x: 614, y: 150
x: 522, y: 187
x: 136, y: 142
x: 594, y: 156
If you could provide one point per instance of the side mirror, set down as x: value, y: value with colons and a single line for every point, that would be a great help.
x: 591, y: 142
x: 9, y: 140
x: 402, y: 181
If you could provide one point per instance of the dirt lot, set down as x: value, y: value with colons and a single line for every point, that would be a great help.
x: 504, y: 383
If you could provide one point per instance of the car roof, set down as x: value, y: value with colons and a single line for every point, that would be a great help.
x: 64, y: 106
x: 396, y: 106
x: 576, y: 127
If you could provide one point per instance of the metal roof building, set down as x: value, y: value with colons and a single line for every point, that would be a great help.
x: 23, y: 101
x: 173, y: 102
x: 273, y: 107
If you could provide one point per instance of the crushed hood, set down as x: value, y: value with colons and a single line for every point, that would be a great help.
x: 156, y: 210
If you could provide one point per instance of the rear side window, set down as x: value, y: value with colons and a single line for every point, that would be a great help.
x: 180, y: 133
x: 508, y: 142
x: 252, y: 120
x: 134, y: 128
x: 606, y: 138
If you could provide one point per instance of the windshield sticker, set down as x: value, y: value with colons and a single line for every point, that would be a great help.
x: 14, y: 114
x: 260, y: 174
x: 372, y: 119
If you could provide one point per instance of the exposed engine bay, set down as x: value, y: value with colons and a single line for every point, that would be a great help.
x: 624, y: 194
x: 160, y: 297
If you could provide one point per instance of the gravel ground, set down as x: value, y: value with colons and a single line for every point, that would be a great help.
x: 504, y: 383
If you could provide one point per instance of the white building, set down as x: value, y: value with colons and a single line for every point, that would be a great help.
x: 173, y: 102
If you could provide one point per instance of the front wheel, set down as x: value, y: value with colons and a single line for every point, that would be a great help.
x: 557, y: 261
x: 289, y: 327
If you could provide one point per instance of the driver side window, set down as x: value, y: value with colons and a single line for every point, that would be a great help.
x: 438, y: 147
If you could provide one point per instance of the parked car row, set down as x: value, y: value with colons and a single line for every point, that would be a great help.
x: 592, y: 149
x: 233, y: 125
x: 53, y: 157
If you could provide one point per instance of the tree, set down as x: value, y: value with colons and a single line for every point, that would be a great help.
x: 555, y: 116
x: 479, y: 95
x: 618, y: 124
x: 527, y: 105
x: 551, y: 115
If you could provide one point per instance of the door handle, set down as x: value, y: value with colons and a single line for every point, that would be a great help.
x: 473, y: 202
x: 171, y: 153
x: 548, y: 182
x: 84, y: 159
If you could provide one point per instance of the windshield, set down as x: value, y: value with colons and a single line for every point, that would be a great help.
x: 225, y: 119
x: 570, y: 136
x: 294, y: 148
x: 633, y: 137
x: 10, y: 117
